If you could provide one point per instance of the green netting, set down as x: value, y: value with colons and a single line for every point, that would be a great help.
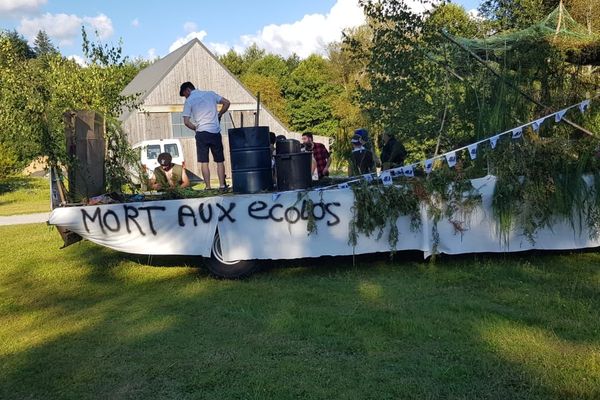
x: 558, y: 28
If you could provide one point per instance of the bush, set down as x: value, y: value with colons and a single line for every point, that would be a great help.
x: 8, y: 161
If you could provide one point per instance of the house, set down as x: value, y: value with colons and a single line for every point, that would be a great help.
x: 159, y: 116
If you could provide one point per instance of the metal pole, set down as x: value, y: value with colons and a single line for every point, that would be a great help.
x: 257, y: 109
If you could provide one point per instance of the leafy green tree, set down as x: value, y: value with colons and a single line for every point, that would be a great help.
x: 292, y: 61
x: 270, y: 93
x: 520, y: 14
x: 234, y: 62
x: 34, y: 95
x: 272, y: 66
x: 17, y: 43
x: 42, y: 45
x: 310, y: 94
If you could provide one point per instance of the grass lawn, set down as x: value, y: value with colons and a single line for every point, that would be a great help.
x: 24, y: 195
x: 87, y: 322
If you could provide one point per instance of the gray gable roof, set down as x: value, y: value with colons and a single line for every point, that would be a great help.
x: 148, y: 78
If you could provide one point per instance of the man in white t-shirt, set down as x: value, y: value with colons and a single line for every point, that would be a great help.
x: 200, y: 114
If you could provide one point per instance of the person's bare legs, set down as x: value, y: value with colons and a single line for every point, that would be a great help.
x: 221, y: 173
x: 205, y: 174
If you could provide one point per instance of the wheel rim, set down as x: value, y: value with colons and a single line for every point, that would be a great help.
x: 216, y: 250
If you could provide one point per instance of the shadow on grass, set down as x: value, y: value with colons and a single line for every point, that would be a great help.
x: 14, y: 183
x: 87, y: 322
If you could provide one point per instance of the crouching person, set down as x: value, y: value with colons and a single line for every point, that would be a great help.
x: 168, y: 175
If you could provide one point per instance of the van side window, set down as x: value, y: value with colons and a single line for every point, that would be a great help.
x: 152, y: 151
x: 172, y: 149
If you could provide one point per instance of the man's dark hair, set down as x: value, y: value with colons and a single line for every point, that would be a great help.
x: 184, y: 86
x: 308, y: 134
x: 165, y: 159
x: 272, y: 137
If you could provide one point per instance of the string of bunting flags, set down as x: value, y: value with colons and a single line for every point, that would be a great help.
x: 450, y: 157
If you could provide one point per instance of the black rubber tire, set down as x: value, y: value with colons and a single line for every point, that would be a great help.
x: 232, y: 270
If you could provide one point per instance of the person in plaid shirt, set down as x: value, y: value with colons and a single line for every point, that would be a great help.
x: 320, y: 154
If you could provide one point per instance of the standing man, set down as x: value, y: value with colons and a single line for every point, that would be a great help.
x: 393, y: 152
x: 200, y: 114
x: 362, y: 159
x: 320, y: 154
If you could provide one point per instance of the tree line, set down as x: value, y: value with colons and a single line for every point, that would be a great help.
x: 399, y: 72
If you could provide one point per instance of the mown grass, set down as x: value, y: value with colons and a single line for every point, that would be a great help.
x: 86, y: 322
x: 24, y: 195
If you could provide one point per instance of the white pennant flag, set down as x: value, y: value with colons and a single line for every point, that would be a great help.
x: 517, y: 133
x: 396, y: 171
x: 536, y: 124
x: 494, y: 141
x: 559, y: 115
x: 584, y: 105
x: 472, y: 150
x: 368, y: 177
x: 386, y: 178
x: 451, y: 159
x: 343, y: 185
x: 428, y: 166
x: 408, y: 171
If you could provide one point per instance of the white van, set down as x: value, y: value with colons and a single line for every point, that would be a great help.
x: 149, y: 151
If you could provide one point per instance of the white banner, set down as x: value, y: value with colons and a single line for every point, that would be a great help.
x: 263, y: 227
x: 177, y: 227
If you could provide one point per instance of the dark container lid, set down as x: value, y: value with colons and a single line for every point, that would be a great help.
x: 287, y: 146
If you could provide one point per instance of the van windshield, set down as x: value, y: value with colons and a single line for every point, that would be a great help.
x: 172, y: 149
x: 152, y: 151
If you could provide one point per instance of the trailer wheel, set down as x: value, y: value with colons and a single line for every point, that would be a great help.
x: 228, y: 269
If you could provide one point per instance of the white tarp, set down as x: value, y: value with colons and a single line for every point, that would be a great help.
x: 173, y: 227
x: 267, y: 226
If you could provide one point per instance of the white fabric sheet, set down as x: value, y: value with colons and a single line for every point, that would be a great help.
x: 267, y: 226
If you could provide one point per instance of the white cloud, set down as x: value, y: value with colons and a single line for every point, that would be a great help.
x: 65, y: 27
x: 183, y: 40
x: 152, y: 54
x: 310, y: 34
x: 222, y: 48
x: 78, y: 59
x: 16, y: 7
x: 190, y: 27
x: 135, y: 23
x: 474, y: 14
x: 101, y: 24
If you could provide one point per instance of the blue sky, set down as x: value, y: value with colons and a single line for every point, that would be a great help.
x: 154, y: 28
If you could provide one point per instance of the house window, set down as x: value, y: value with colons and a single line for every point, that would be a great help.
x: 179, y: 129
x: 182, y: 131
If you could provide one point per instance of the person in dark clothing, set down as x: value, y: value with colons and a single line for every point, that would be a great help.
x: 362, y: 159
x: 393, y: 152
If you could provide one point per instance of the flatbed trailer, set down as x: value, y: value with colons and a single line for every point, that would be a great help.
x: 235, y: 232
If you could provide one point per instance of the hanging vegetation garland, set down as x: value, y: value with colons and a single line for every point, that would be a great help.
x: 541, y: 181
x: 444, y: 193
x: 377, y: 207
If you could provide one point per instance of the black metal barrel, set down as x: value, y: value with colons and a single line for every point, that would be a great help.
x: 250, y: 159
x: 293, y: 166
